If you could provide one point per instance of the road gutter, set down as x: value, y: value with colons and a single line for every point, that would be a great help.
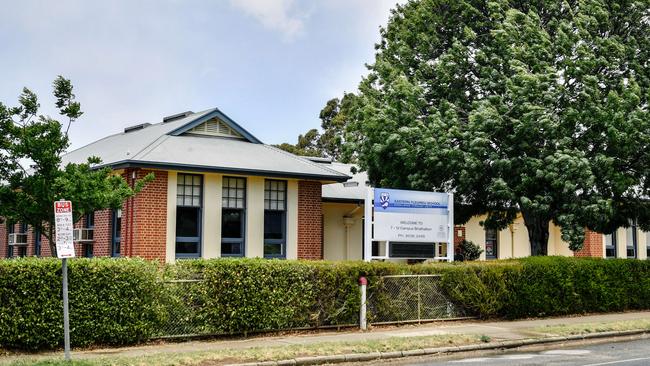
x: 363, y: 357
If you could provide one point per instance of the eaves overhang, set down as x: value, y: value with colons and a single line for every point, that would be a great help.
x: 225, y: 170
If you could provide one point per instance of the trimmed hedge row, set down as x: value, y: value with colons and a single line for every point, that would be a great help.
x: 125, y: 301
x: 112, y: 301
x: 547, y: 286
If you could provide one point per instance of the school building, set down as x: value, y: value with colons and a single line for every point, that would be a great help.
x: 219, y: 191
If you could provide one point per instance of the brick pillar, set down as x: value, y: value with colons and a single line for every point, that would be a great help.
x: 45, y: 245
x: 144, y: 218
x: 310, y: 224
x: 102, y: 233
x: 30, y: 241
x: 459, y: 238
x: 3, y: 240
x: 593, y: 245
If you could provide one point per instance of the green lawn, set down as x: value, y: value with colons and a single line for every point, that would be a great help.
x: 575, y: 329
x: 255, y: 354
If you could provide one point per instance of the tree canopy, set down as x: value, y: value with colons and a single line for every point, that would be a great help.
x: 330, y: 143
x: 538, y: 107
x: 31, y: 173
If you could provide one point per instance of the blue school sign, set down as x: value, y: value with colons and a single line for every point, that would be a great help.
x: 401, y: 216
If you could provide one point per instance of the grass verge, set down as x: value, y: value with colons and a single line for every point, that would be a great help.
x: 575, y: 329
x: 220, y: 357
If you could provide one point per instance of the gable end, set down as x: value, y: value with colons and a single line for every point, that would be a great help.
x: 214, y: 127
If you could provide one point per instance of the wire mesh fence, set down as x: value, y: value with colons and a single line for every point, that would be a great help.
x: 182, y: 308
x: 187, y: 307
x: 410, y: 298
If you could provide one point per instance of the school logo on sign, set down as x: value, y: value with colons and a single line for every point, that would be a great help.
x: 384, y: 199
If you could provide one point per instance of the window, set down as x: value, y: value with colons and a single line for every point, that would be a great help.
x: 491, y: 244
x: 188, y: 215
x: 24, y: 228
x: 37, y: 242
x: 116, y: 234
x: 275, y: 217
x: 631, y: 241
x: 89, y: 222
x: 22, y: 251
x: 11, y: 229
x: 610, y: 245
x: 233, y: 216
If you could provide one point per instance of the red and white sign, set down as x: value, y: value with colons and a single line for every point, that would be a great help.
x: 63, y: 226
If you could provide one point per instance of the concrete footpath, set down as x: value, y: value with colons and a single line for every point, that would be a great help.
x: 497, y: 330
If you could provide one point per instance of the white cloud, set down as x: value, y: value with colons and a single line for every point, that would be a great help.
x: 279, y: 15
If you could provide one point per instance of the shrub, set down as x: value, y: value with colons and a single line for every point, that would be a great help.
x: 123, y: 301
x: 549, y: 286
x: 112, y: 301
x: 468, y: 251
x: 244, y: 295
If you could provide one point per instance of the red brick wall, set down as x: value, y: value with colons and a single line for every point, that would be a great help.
x: 102, y: 233
x: 593, y: 245
x: 459, y: 239
x: 310, y: 224
x: 3, y: 240
x: 144, y: 218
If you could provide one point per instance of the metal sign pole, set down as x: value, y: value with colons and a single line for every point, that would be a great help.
x: 368, y: 224
x: 451, y: 232
x: 64, y: 241
x: 66, y: 314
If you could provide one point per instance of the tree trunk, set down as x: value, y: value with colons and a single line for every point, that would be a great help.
x: 537, y: 226
x: 50, y: 239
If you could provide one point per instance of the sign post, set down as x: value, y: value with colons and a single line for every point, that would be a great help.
x: 412, y: 224
x: 64, y: 249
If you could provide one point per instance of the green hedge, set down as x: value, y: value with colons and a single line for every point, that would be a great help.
x: 244, y: 295
x: 549, y: 286
x: 129, y: 300
x: 111, y: 302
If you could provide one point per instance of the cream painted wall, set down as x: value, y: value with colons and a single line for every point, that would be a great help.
x: 211, y: 216
x: 170, y: 250
x: 292, y: 219
x: 476, y: 233
x: 339, y: 244
x: 255, y: 217
x: 211, y: 235
x: 622, y: 241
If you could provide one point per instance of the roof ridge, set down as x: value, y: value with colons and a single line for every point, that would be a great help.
x: 299, y: 158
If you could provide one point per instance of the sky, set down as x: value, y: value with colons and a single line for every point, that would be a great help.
x: 271, y: 65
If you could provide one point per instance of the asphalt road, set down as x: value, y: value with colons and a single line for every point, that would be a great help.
x: 628, y: 353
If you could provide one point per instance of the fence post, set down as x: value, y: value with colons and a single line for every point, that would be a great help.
x: 419, y: 301
x: 363, y: 282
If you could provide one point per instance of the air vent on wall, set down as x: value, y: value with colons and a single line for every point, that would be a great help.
x: 136, y: 127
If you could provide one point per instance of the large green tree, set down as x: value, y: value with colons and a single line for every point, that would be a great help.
x: 31, y: 173
x: 334, y: 117
x: 538, y: 107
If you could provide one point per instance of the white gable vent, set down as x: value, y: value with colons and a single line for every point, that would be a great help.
x: 215, y: 127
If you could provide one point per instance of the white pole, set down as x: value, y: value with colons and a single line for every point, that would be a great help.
x: 450, y: 246
x: 367, y: 222
x: 363, y: 323
x: 66, y: 314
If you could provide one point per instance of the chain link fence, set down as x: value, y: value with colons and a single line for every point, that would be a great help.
x: 391, y: 299
x: 410, y: 298
x: 186, y: 312
x: 182, y: 306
